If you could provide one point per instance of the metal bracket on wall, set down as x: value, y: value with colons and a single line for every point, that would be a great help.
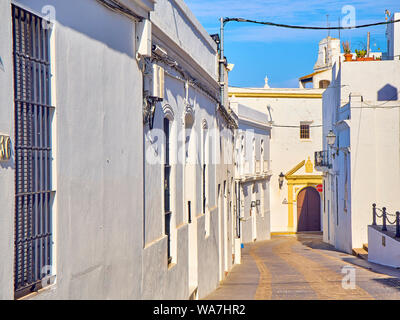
x: 149, y: 110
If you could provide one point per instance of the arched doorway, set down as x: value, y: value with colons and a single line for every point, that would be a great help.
x: 308, y: 210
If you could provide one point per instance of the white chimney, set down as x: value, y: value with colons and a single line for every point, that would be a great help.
x: 266, y: 85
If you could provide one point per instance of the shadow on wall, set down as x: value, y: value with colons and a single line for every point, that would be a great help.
x: 388, y: 93
x: 91, y: 19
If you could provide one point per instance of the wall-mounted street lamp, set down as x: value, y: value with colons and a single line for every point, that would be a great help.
x: 280, y: 179
x: 331, y: 138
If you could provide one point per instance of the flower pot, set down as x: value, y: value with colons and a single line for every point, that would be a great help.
x: 348, y: 57
x: 365, y: 59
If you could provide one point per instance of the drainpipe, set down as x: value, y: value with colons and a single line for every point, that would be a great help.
x: 222, y: 62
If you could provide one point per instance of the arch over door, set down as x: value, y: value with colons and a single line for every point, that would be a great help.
x: 308, y: 210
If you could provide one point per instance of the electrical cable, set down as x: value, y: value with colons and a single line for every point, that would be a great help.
x: 118, y: 7
x: 296, y: 127
x: 309, y: 27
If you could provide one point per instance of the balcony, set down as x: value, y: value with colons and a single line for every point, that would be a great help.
x: 321, y: 159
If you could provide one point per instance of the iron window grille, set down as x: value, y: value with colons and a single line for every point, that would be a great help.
x: 304, y: 131
x: 33, y: 152
x: 167, y: 186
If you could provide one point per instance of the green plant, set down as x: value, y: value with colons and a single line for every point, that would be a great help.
x: 346, y: 47
x: 361, y: 53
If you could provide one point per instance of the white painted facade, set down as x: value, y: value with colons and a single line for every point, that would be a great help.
x: 382, y: 248
x: 252, y: 172
x: 109, y: 237
x: 361, y: 107
x: 288, y: 108
x: 96, y: 152
x: 393, y: 38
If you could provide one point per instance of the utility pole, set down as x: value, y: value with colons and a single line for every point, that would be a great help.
x: 368, y: 44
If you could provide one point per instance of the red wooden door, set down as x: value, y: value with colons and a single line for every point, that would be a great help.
x: 308, y: 210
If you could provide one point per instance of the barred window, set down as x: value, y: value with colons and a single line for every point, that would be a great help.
x: 304, y: 131
x: 33, y: 153
x: 167, y: 187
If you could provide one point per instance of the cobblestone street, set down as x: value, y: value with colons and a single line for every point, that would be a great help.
x: 303, y: 267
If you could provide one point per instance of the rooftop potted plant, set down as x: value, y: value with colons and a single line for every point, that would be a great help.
x: 361, y: 55
x: 347, y: 52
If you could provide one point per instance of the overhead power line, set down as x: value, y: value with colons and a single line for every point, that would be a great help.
x: 309, y: 27
x: 119, y: 7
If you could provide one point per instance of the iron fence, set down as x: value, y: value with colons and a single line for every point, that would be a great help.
x: 385, y: 219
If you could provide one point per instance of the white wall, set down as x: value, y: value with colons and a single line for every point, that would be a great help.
x: 178, y: 23
x: 367, y: 119
x: 383, y: 249
x: 198, y: 248
x: 286, y: 147
x: 97, y: 94
x: 110, y: 241
x: 254, y: 182
x: 393, y: 37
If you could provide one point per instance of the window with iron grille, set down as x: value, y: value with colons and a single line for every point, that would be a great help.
x: 204, y: 171
x: 304, y: 131
x: 33, y: 152
x: 167, y: 186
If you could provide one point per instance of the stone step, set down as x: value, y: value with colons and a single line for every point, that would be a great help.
x: 365, y: 246
x: 361, y: 253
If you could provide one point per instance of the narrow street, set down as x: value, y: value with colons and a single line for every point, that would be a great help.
x: 303, y: 267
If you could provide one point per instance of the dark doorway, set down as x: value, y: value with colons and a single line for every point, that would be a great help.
x: 308, y: 210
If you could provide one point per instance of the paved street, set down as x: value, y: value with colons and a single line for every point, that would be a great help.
x: 303, y: 267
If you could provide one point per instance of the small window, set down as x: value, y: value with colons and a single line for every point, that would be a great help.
x: 304, y: 131
x: 323, y: 84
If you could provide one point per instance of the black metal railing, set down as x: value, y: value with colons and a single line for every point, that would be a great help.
x: 321, y: 159
x: 385, y: 218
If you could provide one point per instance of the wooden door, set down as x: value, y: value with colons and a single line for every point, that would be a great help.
x: 308, y: 210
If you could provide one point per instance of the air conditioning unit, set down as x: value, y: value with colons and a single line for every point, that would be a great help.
x: 158, y: 81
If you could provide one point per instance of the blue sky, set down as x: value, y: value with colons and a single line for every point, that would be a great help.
x: 284, y: 55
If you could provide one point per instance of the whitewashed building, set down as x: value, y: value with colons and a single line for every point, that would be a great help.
x: 393, y: 39
x: 361, y: 113
x: 96, y: 203
x: 294, y: 117
x: 252, y: 173
x: 329, y: 53
x: 189, y: 234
